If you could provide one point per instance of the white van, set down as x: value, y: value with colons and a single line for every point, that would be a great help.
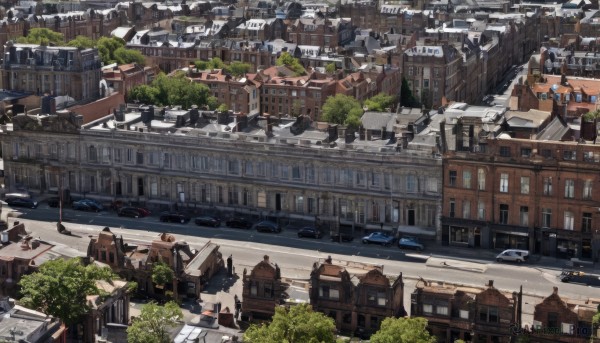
x: 513, y: 255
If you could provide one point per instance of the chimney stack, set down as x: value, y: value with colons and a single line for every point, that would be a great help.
x: 332, y: 133
x: 490, y: 283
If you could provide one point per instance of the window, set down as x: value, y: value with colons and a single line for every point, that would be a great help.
x: 310, y: 174
x: 586, y: 222
x: 525, y: 152
x: 299, y: 203
x: 466, y: 179
x: 375, y: 180
x: 411, y: 183
x: 552, y: 320
x: 524, y: 184
x: 546, y: 153
x: 360, y: 178
x: 441, y: 310
x: 503, y: 214
x: 588, y: 156
x: 481, y: 210
x: 296, y: 172
x: 249, y: 168
x: 547, y: 186
x: 569, y: 220
x: 481, y: 179
x: 505, y: 151
x: 377, y: 298
x: 466, y: 209
x: 504, y: 183
x: 546, y: 217
x: 129, y: 155
x: 327, y: 292
x: 452, y: 178
x: 569, y: 189
x: 233, y: 167
x: 92, y: 154
x: 327, y: 175
x: 432, y: 184
x: 524, y: 216
x: 567, y: 328
x: 488, y: 314
x: 569, y: 155
x: 285, y: 172
x: 452, y: 204
x: 587, y: 189
x: 427, y: 309
x: 166, y: 160
x: 464, y: 314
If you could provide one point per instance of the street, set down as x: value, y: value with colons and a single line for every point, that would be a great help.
x: 296, y: 256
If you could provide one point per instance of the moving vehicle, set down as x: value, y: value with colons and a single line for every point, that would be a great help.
x: 310, y: 231
x: 580, y: 277
x: 268, y: 226
x: 130, y: 212
x: 173, y: 217
x: 239, y: 223
x: 208, y: 221
x: 408, y: 242
x: 381, y: 238
x: 513, y: 255
x: 21, y: 202
x: 86, y: 205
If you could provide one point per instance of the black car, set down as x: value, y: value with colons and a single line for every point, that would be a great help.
x: 309, y: 231
x: 267, y: 226
x: 130, y: 212
x: 22, y: 202
x: 238, y: 223
x: 84, y: 205
x: 172, y: 217
x: 343, y: 237
x: 208, y: 221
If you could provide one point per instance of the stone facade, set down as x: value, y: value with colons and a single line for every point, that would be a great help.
x: 263, y: 290
x: 358, y: 297
x: 264, y: 170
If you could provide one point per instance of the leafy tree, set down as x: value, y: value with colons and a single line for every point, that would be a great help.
x: 238, y: 68
x: 354, y: 118
x: 337, y: 109
x: 82, y: 42
x: 296, y: 108
x: 107, y: 47
x: 222, y: 108
x: 201, y: 65
x: 212, y: 103
x: 154, y: 323
x: 380, y: 102
x: 285, y: 59
x: 403, y: 330
x: 596, y: 323
x: 145, y: 94
x: 162, y: 274
x: 125, y: 56
x: 299, y: 324
x: 407, y: 98
x: 60, y: 288
x: 330, y: 68
x: 42, y: 36
x: 590, y: 116
x: 176, y: 90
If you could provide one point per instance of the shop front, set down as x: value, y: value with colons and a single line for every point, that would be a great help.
x: 465, y: 233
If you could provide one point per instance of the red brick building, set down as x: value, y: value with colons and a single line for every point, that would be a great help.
x: 263, y: 290
x: 324, y: 33
x: 126, y: 76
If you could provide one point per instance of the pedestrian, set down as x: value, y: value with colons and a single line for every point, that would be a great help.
x: 381, y: 226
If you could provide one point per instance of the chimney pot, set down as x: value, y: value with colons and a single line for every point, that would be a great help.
x: 555, y: 290
x: 491, y: 283
x: 266, y: 258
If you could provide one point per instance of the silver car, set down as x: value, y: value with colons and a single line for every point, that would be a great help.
x: 513, y: 255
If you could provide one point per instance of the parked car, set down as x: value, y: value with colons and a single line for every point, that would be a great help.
x: 381, y: 238
x: 144, y: 211
x: 85, y: 205
x: 239, y: 223
x: 513, y: 255
x: 129, y: 212
x: 267, y: 226
x: 310, y: 231
x: 408, y: 242
x: 174, y: 217
x: 208, y: 221
x: 21, y: 202
x: 343, y: 237
x: 575, y: 276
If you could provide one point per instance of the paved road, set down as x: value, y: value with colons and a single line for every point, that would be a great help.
x: 296, y: 256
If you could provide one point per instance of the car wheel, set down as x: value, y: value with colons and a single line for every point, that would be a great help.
x: 136, y: 217
x: 182, y: 221
x: 365, y: 241
x: 519, y: 261
x: 499, y: 260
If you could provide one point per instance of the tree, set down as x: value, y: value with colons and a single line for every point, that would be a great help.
x: 82, y: 42
x: 354, y: 118
x: 407, y: 98
x: 380, y: 102
x: 154, y: 322
x: 403, y: 330
x: 162, y: 274
x: 222, y: 108
x: 330, y: 68
x: 107, y: 46
x: 238, y: 68
x: 298, y: 324
x: 590, y: 116
x: 595, y: 324
x: 42, y: 36
x: 145, y: 94
x: 291, y: 62
x: 177, y: 90
x: 125, y: 56
x: 337, y: 109
x: 60, y: 288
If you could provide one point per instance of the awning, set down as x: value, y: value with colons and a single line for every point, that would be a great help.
x: 417, y: 230
x: 514, y: 233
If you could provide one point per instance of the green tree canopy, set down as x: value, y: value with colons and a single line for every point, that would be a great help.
x: 125, y: 56
x: 380, y: 102
x: 60, y: 288
x: 238, y: 68
x: 82, y: 42
x: 154, y: 323
x: 162, y: 274
x: 285, y: 59
x: 403, y: 330
x: 407, y: 98
x: 342, y: 109
x: 299, y: 324
x: 330, y: 68
x: 107, y: 47
x: 590, y: 116
x: 235, y: 68
x: 176, y: 90
x: 42, y: 36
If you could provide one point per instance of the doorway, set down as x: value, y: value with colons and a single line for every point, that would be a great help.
x: 411, y: 217
x: 277, y: 202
